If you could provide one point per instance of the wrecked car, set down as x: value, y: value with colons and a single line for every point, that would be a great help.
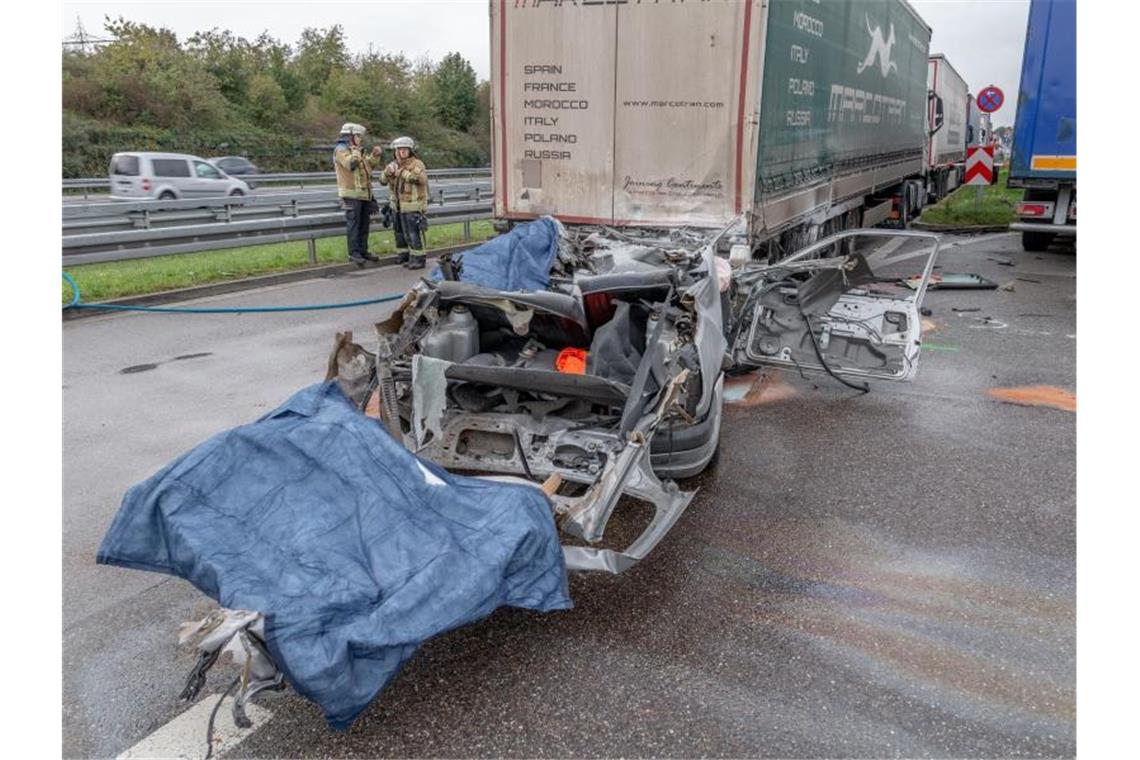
x: 603, y: 372
x: 509, y: 407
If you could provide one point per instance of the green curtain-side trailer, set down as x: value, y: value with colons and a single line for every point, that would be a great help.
x: 695, y: 113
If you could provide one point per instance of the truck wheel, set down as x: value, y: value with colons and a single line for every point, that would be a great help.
x: 1036, y: 241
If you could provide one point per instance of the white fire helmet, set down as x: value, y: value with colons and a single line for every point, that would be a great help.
x: 352, y: 129
x: 404, y: 142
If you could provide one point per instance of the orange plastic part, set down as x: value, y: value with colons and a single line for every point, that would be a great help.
x: 572, y: 361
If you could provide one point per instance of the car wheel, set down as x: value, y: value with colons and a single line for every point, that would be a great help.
x: 236, y: 194
x: 166, y: 195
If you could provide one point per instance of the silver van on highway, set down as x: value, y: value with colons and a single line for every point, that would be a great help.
x: 169, y: 176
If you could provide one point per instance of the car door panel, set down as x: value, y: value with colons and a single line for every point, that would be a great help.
x: 208, y: 181
x: 839, y: 306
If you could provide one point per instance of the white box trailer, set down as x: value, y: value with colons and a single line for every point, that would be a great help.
x: 790, y: 113
x: 948, y: 114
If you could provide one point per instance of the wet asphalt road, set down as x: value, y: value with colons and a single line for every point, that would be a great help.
x: 882, y: 575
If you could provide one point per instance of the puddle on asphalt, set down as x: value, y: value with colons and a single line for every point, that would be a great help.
x: 1036, y: 395
x: 135, y: 368
x: 757, y: 388
x: 944, y: 623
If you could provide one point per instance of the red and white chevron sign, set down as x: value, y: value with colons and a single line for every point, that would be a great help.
x: 980, y: 165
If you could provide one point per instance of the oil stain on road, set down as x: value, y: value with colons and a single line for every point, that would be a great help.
x: 757, y: 388
x: 1036, y: 395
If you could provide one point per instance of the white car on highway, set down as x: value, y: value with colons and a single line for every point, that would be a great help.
x: 169, y: 176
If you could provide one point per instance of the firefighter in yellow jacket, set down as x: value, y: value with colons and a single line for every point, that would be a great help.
x: 406, y: 178
x: 354, y: 186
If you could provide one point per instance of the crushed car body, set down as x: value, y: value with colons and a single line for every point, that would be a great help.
x: 605, y: 369
x: 509, y: 407
x: 625, y: 346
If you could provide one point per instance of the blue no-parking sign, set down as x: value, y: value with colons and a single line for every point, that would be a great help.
x: 990, y: 99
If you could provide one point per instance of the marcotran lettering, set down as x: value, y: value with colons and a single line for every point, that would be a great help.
x: 849, y: 105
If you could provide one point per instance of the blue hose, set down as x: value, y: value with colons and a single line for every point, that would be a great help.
x: 75, y: 304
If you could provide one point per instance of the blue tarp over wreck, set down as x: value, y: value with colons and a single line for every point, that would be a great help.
x: 354, y: 549
x: 518, y: 260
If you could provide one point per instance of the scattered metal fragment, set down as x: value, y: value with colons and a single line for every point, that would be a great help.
x: 924, y: 311
x: 1027, y: 279
x: 952, y: 281
x: 963, y: 311
x: 1003, y: 262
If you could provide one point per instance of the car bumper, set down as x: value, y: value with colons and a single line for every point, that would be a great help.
x: 1054, y: 229
x: 685, y: 452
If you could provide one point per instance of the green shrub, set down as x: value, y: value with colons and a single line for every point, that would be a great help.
x: 278, y: 105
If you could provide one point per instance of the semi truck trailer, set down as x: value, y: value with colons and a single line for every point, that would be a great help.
x: 799, y: 117
x: 1044, y: 160
x: 947, y: 133
x: 979, y: 127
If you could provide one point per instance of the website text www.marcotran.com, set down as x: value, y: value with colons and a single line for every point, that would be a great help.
x: 673, y: 104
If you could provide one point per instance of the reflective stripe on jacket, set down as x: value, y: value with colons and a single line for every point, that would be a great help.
x: 409, y: 183
x: 353, y: 182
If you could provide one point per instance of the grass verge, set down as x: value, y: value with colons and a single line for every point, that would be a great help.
x: 99, y: 282
x: 962, y: 208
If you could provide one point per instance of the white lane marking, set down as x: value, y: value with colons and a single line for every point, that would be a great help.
x: 185, y: 736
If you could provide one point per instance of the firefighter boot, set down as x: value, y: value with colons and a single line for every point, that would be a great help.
x: 416, y: 260
x: 402, y: 256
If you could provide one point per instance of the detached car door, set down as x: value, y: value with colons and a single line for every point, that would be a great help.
x: 847, y: 305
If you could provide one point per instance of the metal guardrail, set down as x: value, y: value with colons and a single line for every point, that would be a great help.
x: 299, y: 178
x: 145, y: 214
x: 116, y: 231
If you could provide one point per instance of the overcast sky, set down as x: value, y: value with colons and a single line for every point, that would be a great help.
x: 982, y: 38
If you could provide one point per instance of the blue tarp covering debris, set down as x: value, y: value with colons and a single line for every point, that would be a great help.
x: 518, y: 260
x: 354, y: 549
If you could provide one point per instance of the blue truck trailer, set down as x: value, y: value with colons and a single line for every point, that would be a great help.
x: 1044, y: 160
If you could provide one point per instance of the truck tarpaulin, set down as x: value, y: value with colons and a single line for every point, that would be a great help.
x: 355, y: 550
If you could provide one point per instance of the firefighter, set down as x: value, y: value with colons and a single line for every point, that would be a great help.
x: 406, y: 178
x: 354, y: 186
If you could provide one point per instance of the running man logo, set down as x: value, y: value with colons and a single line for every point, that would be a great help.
x: 880, y: 49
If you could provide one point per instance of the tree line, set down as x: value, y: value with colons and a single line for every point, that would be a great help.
x: 278, y: 104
